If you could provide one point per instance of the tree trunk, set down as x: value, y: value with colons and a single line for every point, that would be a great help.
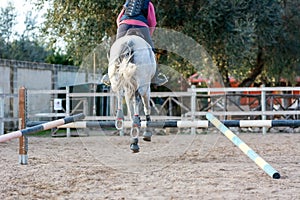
x: 256, y: 71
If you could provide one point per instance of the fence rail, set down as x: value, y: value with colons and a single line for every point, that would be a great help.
x: 219, y: 101
x: 267, y: 102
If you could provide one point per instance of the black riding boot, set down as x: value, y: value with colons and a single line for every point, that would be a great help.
x: 159, y: 79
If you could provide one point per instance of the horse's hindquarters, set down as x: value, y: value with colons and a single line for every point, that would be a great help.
x: 131, y: 67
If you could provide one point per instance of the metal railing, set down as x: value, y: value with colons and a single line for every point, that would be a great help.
x: 219, y: 101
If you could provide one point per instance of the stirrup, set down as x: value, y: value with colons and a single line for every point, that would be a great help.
x: 105, y: 80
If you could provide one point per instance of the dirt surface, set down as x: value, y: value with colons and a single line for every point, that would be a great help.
x: 170, y: 167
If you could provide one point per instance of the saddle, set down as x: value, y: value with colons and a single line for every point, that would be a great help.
x: 136, y: 32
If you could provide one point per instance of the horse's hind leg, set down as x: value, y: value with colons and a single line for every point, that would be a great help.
x: 120, y: 116
x: 147, y: 109
x: 136, y: 123
x: 147, y: 134
x: 134, y: 133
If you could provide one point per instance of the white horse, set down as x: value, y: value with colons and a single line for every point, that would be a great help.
x: 132, y: 65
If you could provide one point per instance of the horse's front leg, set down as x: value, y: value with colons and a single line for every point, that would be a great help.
x: 146, y: 103
x: 119, y: 116
x: 147, y: 109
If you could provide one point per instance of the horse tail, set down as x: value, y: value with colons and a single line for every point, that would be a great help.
x: 127, y: 69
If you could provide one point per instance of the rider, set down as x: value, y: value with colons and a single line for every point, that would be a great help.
x: 138, y: 15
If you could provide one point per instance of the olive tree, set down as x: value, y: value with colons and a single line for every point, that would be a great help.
x: 252, y: 40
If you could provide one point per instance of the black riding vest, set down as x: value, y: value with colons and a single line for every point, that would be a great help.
x: 136, y: 9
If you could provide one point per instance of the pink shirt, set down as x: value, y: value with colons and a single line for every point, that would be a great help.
x: 151, y: 18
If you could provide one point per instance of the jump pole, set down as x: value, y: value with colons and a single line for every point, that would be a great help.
x: 244, y: 147
x: 184, y: 124
x: 41, y: 127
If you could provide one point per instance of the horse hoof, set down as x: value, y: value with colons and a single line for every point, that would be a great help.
x: 135, y: 148
x: 147, y: 136
x: 134, y: 144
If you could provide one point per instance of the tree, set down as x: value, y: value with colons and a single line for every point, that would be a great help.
x: 7, y: 21
x: 288, y: 48
x: 25, y: 46
x: 81, y: 25
x: 56, y: 57
x: 249, y: 39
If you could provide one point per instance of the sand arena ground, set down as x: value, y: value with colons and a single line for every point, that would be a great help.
x: 206, y: 166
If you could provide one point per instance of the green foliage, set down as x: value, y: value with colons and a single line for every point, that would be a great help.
x: 26, y: 50
x: 26, y: 46
x: 249, y: 39
x: 58, y: 58
x: 7, y: 21
x: 80, y: 24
